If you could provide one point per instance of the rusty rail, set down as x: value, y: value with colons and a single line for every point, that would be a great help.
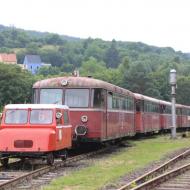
x: 154, y: 173
x: 11, y: 183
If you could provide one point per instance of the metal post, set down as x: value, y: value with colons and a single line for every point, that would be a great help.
x: 173, y: 101
x: 173, y: 113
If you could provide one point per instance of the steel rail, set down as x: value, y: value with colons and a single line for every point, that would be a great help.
x: 36, y: 173
x: 155, y: 172
x: 162, y: 178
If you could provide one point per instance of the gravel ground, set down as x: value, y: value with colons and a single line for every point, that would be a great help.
x: 40, y: 182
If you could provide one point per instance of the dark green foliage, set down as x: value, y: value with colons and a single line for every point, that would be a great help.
x: 112, y: 58
x: 136, y: 77
x: 45, y: 71
x: 15, y: 85
x: 54, y: 39
x: 183, y: 90
x: 12, y: 38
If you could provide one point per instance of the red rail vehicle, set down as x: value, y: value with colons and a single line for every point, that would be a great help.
x: 147, y: 114
x: 183, y: 113
x: 165, y: 115
x: 99, y: 110
x: 35, y: 130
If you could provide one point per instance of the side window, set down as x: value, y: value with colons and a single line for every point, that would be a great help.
x: 145, y: 106
x: 169, y: 109
x: 109, y: 102
x: 35, y: 96
x: 138, y: 105
x: 66, y: 118
x: 177, y: 111
x: 114, y: 102
x: 131, y: 103
x: 123, y: 104
x: 97, y: 98
x: 117, y: 102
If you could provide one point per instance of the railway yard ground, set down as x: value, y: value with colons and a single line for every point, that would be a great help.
x: 120, y: 165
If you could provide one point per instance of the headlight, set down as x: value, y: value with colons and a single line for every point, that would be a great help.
x: 84, y: 118
x: 80, y: 130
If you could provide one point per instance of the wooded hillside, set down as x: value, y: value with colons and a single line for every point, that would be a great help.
x: 133, y: 65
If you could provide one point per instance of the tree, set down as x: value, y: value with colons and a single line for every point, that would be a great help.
x: 2, y: 40
x: 16, y: 85
x: 32, y: 48
x: 54, y: 39
x: 183, y: 90
x: 136, y: 77
x: 112, y: 58
x: 52, y: 56
x: 45, y: 71
x: 92, y: 67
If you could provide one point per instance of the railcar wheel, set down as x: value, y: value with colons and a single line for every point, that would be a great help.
x: 65, y: 156
x: 5, y: 162
x: 50, y: 159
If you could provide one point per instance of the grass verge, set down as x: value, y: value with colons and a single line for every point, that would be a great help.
x: 112, y: 167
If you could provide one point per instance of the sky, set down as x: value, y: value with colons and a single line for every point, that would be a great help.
x: 163, y: 23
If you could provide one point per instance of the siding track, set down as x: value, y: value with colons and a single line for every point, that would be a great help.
x: 163, y: 173
x: 10, y: 179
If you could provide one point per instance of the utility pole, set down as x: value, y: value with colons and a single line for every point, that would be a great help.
x: 173, y: 101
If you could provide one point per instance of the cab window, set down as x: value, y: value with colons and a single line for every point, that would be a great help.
x: 51, y: 96
x: 39, y: 116
x: 77, y: 98
x: 15, y: 116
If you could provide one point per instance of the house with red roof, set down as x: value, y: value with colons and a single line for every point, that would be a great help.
x: 8, y: 58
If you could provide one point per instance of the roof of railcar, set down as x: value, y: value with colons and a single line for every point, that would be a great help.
x: 165, y: 103
x: 79, y: 82
x: 147, y: 98
x: 35, y: 106
x: 182, y: 106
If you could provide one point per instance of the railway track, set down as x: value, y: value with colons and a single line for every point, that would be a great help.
x: 10, y: 179
x: 155, y: 179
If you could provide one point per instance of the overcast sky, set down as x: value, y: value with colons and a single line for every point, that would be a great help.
x: 155, y: 22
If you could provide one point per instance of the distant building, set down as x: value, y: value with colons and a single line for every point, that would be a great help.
x: 32, y: 63
x: 8, y: 58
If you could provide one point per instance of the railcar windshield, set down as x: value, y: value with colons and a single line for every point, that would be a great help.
x: 39, y: 116
x: 51, y: 96
x: 15, y: 116
x: 77, y: 98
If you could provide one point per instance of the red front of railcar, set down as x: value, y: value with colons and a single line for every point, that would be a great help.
x: 100, y: 111
x: 88, y: 124
x: 30, y: 130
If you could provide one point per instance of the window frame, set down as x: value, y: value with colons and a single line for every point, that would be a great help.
x: 89, y: 101
x: 62, y: 97
x: 30, y: 112
x: 16, y: 123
